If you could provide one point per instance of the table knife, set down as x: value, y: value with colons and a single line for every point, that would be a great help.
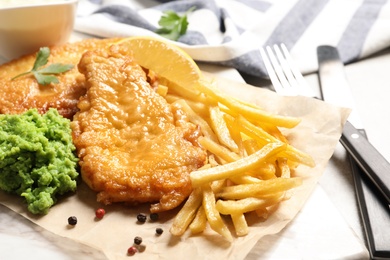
x: 371, y: 171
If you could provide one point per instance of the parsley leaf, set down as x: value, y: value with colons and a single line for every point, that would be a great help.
x: 56, y: 68
x: 45, y: 79
x: 42, y: 58
x: 173, y: 25
x: 44, y: 75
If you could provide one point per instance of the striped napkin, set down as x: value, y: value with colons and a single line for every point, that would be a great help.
x: 230, y: 32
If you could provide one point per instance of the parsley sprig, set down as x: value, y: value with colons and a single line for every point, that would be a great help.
x: 45, y: 75
x: 173, y: 25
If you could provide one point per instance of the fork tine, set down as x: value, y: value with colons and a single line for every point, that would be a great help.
x: 271, y: 72
x: 304, y: 88
x: 279, y: 72
x: 284, y: 75
x: 293, y: 83
x: 275, y: 72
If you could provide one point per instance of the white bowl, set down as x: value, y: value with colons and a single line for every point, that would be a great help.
x: 26, y: 27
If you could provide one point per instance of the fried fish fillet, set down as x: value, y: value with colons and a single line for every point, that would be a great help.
x: 24, y: 93
x: 133, y: 146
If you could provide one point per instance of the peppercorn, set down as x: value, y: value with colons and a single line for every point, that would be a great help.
x: 99, y: 213
x: 159, y: 231
x: 72, y: 220
x: 137, y: 240
x: 154, y: 216
x: 141, y: 248
x: 141, y: 217
x: 132, y: 250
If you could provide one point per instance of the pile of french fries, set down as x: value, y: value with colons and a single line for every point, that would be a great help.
x: 250, y: 162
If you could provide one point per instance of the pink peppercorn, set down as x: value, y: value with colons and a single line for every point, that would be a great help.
x: 132, y: 250
x: 100, y: 213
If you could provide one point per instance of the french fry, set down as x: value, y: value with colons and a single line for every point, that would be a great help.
x: 186, y: 213
x: 274, y: 131
x: 200, y: 222
x: 250, y: 146
x: 235, y: 133
x: 183, y: 91
x: 263, y: 188
x: 264, y: 137
x: 162, y: 90
x: 212, y: 214
x: 228, y: 170
x: 220, y: 128
x: 252, y: 113
x: 246, y: 179
x: 284, y: 169
x: 200, y: 109
x: 232, y: 207
x: 212, y: 161
x: 218, y: 149
x: 267, y: 170
x: 196, y: 119
x: 264, y: 213
x: 240, y: 224
x: 218, y: 185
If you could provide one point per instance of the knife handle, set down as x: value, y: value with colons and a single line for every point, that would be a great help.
x: 374, y: 165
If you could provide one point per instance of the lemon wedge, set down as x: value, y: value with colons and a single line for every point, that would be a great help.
x: 167, y: 60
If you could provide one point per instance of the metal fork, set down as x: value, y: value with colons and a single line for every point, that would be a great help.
x: 284, y: 74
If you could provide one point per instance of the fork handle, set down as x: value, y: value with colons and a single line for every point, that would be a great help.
x: 374, y: 165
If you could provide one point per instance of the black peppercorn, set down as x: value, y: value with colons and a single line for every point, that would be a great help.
x: 72, y: 220
x: 141, y: 217
x: 137, y: 240
x: 159, y: 231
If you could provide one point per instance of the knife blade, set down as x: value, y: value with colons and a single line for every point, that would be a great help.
x: 370, y: 170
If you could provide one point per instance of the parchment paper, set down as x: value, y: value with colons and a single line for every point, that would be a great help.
x: 317, y: 134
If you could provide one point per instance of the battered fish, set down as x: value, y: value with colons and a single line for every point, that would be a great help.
x: 133, y: 146
x: 23, y: 93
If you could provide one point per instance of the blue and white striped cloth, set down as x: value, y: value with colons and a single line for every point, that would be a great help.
x: 230, y: 32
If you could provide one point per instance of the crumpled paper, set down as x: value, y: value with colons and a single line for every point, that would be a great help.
x: 317, y: 134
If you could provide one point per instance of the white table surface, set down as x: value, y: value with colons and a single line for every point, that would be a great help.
x: 340, y: 237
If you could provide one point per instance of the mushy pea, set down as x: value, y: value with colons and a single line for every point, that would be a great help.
x: 37, y: 158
